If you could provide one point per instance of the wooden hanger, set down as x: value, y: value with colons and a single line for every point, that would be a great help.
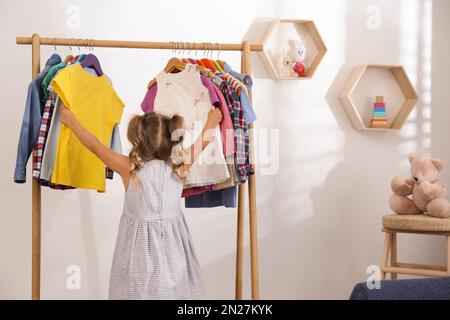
x: 172, y: 65
x: 175, y: 64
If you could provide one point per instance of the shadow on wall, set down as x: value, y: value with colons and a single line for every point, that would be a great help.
x: 325, y: 253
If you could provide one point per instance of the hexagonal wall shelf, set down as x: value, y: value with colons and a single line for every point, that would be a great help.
x: 316, y: 48
x: 408, y: 94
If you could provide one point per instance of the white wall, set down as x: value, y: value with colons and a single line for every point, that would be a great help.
x: 318, y: 218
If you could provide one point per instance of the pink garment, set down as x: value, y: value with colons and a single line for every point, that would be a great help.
x: 148, y: 103
x: 226, y: 126
x: 217, y: 99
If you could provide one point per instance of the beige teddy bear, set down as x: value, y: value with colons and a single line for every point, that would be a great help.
x: 427, y: 190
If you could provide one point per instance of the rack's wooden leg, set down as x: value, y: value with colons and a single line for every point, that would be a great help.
x: 36, y: 198
x: 246, y: 68
x: 385, y: 255
x: 240, y: 242
x: 253, y: 238
x: 448, y: 255
x: 393, y: 253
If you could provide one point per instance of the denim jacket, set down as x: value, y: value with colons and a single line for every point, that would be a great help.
x: 31, y: 121
x: 249, y: 113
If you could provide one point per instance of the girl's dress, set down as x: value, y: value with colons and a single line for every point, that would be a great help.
x: 154, y: 257
x: 184, y: 94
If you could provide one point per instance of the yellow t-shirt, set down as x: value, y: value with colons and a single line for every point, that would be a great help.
x: 98, y: 108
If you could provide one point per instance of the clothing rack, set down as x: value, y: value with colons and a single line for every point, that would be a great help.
x: 245, y: 48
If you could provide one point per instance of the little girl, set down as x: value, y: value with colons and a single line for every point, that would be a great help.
x: 154, y: 257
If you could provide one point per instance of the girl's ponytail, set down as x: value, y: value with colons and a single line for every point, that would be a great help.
x: 154, y: 136
x: 135, y: 136
x: 177, y: 131
x: 176, y: 128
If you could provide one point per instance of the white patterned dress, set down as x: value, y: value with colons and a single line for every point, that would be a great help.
x: 184, y: 94
x: 154, y: 257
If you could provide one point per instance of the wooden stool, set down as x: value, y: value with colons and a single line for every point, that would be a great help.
x: 415, y: 224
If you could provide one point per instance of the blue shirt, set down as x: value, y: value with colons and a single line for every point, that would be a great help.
x: 211, y: 199
x: 249, y: 113
x: 31, y: 122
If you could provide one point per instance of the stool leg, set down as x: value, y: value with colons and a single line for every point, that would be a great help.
x: 385, y: 255
x: 393, y: 254
x: 448, y: 255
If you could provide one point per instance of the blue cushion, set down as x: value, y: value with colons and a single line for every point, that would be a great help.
x: 416, y: 289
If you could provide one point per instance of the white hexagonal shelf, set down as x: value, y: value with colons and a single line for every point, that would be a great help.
x: 404, y: 100
x: 304, y: 29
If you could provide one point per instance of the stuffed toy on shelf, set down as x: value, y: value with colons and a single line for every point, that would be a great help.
x: 423, y: 192
x: 293, y: 59
x: 286, y: 66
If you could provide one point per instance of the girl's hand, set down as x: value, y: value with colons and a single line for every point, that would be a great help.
x: 67, y: 117
x: 214, y: 118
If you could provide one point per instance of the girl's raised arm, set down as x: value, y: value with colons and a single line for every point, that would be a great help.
x: 113, y: 160
x: 214, y: 118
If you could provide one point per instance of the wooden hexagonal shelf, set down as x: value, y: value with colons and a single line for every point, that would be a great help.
x: 407, y: 90
x: 308, y: 29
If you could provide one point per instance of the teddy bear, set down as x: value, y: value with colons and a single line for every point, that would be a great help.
x: 285, y: 65
x: 424, y: 192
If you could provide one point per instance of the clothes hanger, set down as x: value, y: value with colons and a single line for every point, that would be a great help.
x: 191, y: 60
x: 172, y: 65
x: 91, y: 61
x: 185, y: 60
x: 69, y: 56
x: 199, y: 61
x: 81, y: 56
x: 175, y: 64
x: 206, y: 62
x: 75, y: 58
x: 216, y: 63
x: 203, y: 70
x: 55, y: 55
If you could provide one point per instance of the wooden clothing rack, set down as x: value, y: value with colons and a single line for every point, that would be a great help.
x: 245, y: 48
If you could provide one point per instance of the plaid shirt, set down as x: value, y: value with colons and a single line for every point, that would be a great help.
x: 40, y: 145
x: 43, y: 132
x: 240, y: 131
x: 233, y: 83
x: 236, y: 86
